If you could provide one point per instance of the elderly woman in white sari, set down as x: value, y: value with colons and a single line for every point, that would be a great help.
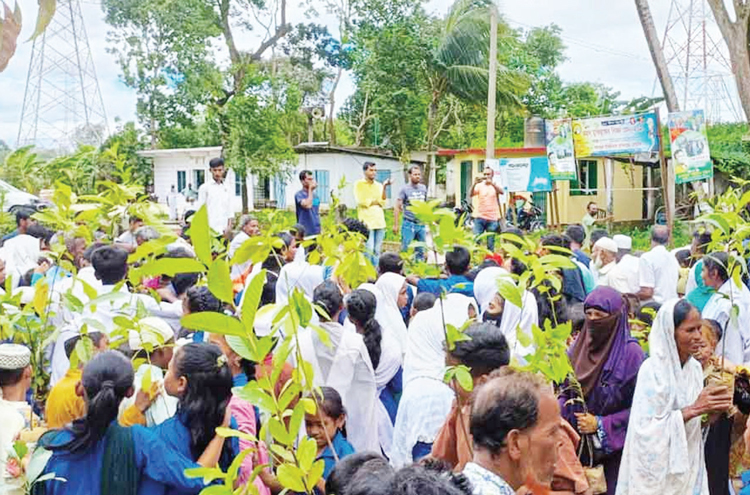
x: 663, y: 452
x: 385, y: 355
x: 503, y: 313
x: 426, y: 400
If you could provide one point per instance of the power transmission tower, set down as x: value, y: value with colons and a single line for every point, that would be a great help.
x: 62, y: 105
x: 698, y: 63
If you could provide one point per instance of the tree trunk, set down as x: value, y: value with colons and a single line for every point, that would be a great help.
x: 243, y: 187
x: 657, y: 55
x: 432, y: 112
x: 331, y: 104
x: 735, y: 34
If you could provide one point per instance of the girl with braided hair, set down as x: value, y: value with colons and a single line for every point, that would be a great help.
x: 362, y: 306
x: 95, y: 455
x: 200, y: 378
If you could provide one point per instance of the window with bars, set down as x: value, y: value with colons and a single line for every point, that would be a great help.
x: 586, y: 184
x: 382, y: 176
x: 181, y: 180
x: 199, y: 177
x: 237, y: 185
x: 324, y: 190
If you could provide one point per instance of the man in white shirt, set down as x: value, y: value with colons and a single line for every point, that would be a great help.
x: 126, y: 240
x: 605, y: 260
x: 625, y: 276
x: 249, y: 227
x: 173, y: 200
x: 217, y: 197
x: 719, y: 308
x: 658, y: 269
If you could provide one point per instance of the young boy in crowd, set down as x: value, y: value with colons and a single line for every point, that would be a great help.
x: 15, y: 412
x: 63, y: 404
x: 457, y: 263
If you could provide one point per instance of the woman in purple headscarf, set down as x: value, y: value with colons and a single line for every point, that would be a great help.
x: 606, y: 360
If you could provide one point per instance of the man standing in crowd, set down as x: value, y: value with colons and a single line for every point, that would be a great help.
x: 190, y: 194
x: 487, y: 215
x: 307, y: 204
x: 605, y: 260
x: 173, y: 198
x: 624, y: 277
x: 411, y: 229
x: 658, y: 269
x: 370, y: 197
x: 217, y: 197
x: 511, y: 449
x: 590, y: 219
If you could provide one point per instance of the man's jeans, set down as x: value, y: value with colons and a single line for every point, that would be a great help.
x: 410, y: 232
x: 374, y: 245
x: 481, y: 226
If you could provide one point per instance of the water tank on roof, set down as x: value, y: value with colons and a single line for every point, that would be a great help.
x: 533, y: 132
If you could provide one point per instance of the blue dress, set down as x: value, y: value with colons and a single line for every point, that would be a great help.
x: 153, y: 458
x: 343, y: 448
x: 176, y: 436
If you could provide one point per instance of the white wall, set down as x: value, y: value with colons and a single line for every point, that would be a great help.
x: 339, y: 165
x: 348, y: 166
x: 166, y: 168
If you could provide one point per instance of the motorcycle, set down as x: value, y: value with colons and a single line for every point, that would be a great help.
x: 528, y: 219
x: 464, y: 214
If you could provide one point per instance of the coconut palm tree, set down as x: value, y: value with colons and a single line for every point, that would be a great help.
x: 459, y: 63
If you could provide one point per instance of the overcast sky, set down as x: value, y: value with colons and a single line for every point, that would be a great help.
x: 604, y: 41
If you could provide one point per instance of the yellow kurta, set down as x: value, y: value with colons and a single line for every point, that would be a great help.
x: 63, y: 405
x: 370, y: 202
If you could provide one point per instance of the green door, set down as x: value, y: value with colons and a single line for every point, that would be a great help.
x: 465, y: 181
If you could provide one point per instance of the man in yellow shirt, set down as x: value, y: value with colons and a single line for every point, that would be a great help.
x: 370, y: 197
x: 63, y: 404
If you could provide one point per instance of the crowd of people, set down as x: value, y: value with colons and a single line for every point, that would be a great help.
x: 635, y: 417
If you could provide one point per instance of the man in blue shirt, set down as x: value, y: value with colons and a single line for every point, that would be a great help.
x: 307, y: 204
x: 457, y: 263
x: 411, y: 229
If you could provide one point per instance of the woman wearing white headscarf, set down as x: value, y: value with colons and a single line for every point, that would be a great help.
x: 426, y: 400
x: 663, y: 452
x: 504, y: 313
x: 393, y: 288
x: 385, y: 355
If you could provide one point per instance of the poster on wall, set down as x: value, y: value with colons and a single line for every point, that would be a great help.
x: 690, y: 154
x: 617, y: 135
x: 524, y: 174
x: 559, y: 140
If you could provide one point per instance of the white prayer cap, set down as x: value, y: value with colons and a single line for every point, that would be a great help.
x: 14, y: 356
x: 153, y: 331
x: 623, y: 241
x: 606, y: 244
